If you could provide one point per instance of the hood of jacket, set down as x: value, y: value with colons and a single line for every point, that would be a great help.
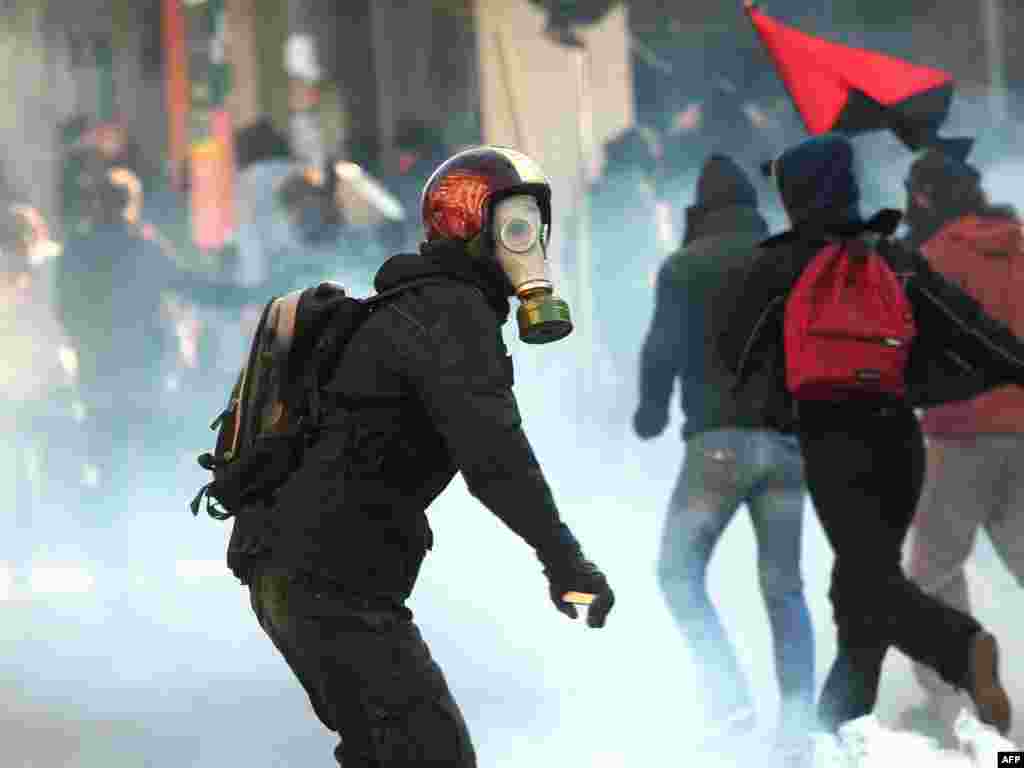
x: 817, y: 184
x: 704, y: 222
x: 726, y: 201
x: 820, y: 193
x: 452, y: 259
x: 723, y: 183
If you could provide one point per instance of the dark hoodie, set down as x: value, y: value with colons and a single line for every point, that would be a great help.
x: 723, y: 228
x: 960, y: 350
x: 423, y: 390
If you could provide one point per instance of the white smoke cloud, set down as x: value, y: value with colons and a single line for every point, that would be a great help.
x: 161, y: 663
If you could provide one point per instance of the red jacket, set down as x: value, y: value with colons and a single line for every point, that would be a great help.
x: 985, y: 256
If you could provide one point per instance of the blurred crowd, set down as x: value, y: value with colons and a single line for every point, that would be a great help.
x: 118, y: 329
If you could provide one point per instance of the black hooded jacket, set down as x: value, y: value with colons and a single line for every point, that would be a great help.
x: 723, y: 228
x: 423, y: 390
x: 960, y: 351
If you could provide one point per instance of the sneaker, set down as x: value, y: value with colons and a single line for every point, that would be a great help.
x: 984, y: 686
x: 980, y: 741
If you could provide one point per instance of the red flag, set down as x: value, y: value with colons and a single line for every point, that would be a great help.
x: 837, y: 87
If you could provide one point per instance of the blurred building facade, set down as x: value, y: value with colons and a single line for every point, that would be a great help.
x: 386, y: 59
x: 105, y: 58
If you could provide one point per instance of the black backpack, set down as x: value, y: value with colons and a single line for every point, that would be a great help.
x: 274, y: 409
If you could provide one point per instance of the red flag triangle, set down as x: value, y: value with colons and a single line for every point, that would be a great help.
x: 820, y: 75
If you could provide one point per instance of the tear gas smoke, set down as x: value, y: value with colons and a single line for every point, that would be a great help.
x: 162, y: 650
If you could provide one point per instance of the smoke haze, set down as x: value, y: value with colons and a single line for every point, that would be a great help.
x: 154, y: 658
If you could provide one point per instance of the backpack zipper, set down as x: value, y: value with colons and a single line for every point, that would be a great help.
x: 888, y: 341
x: 232, y: 407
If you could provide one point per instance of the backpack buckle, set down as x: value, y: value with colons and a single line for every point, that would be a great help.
x: 232, y: 406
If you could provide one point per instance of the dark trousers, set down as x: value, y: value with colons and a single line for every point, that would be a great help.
x: 368, y: 673
x: 864, y: 467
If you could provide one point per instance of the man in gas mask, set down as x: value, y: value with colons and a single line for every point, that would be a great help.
x: 423, y: 390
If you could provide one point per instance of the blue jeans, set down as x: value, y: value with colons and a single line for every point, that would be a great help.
x: 722, y: 470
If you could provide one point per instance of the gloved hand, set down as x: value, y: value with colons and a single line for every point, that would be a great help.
x: 577, y: 574
x: 649, y: 421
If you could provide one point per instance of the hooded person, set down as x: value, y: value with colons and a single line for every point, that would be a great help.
x: 974, y: 446
x: 423, y: 390
x: 724, y: 213
x: 863, y: 454
x: 946, y: 201
x: 736, y: 453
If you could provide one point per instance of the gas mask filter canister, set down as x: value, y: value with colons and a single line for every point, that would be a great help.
x: 519, y: 249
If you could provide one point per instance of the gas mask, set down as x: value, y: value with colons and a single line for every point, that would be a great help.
x: 519, y: 248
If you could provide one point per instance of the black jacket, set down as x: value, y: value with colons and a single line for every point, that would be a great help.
x: 960, y: 351
x: 423, y: 390
x: 693, y: 287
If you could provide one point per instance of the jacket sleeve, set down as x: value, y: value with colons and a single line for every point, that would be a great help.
x: 954, y: 324
x: 458, y: 366
x: 663, y: 353
x: 770, y: 276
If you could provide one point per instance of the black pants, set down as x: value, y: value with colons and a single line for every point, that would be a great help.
x: 864, y: 467
x: 368, y: 673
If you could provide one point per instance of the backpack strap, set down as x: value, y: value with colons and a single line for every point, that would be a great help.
x: 897, y: 257
x: 248, y: 416
x: 213, y: 509
x: 377, y: 298
x: 328, y: 346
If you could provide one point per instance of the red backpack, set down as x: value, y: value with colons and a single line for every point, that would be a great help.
x: 848, y: 326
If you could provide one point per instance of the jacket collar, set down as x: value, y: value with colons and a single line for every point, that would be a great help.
x: 452, y: 259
